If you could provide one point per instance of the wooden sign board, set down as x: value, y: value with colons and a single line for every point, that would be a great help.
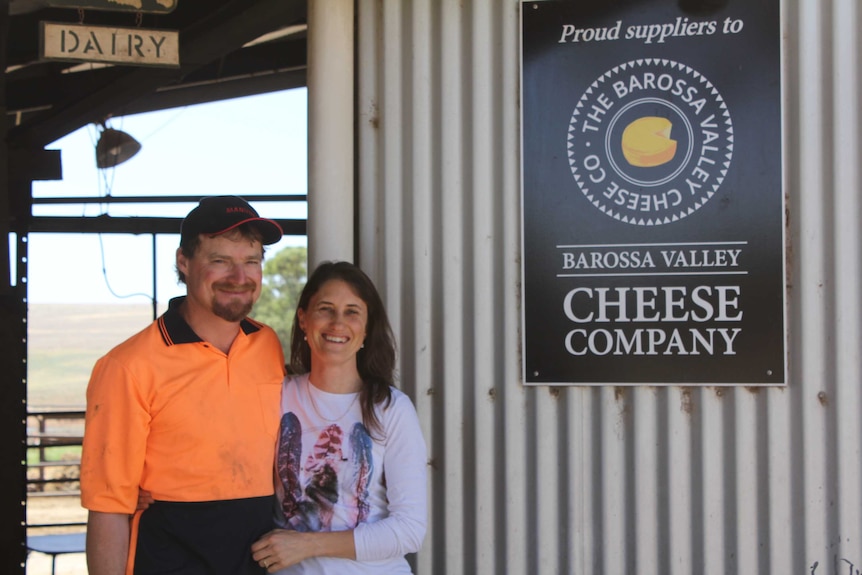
x: 146, y: 6
x: 108, y: 44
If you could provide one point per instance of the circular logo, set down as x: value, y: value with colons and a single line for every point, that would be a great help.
x: 650, y: 142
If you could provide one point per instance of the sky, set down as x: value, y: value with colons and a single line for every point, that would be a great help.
x: 244, y: 146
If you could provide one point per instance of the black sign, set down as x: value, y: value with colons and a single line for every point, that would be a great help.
x: 144, y: 6
x: 653, y: 208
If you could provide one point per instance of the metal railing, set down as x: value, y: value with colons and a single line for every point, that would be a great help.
x: 52, y: 430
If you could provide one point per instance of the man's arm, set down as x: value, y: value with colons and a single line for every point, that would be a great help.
x: 107, y: 543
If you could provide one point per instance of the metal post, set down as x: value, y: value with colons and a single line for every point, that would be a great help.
x: 13, y: 351
x: 330, y: 131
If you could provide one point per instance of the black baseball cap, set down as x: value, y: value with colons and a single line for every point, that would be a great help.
x: 218, y: 214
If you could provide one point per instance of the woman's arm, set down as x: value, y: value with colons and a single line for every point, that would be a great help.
x: 405, y: 464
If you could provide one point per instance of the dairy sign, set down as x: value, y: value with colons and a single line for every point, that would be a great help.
x: 105, y: 44
x: 652, y: 196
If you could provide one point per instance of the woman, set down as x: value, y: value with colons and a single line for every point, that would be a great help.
x: 350, y: 460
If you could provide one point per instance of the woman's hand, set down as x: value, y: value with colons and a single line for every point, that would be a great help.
x: 145, y: 499
x: 279, y: 549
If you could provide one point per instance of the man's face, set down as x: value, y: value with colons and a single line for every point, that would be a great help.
x: 224, y: 276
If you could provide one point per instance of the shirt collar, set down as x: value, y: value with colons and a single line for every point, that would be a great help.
x: 175, y: 330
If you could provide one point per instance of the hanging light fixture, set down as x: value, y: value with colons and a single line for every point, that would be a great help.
x: 115, y: 147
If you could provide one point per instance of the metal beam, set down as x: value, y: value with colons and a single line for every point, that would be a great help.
x: 132, y: 225
x: 252, y: 70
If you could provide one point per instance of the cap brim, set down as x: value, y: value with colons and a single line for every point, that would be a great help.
x: 269, y: 230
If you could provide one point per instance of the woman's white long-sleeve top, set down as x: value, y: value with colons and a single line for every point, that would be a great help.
x: 333, y: 475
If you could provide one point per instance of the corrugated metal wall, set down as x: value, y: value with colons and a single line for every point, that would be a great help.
x: 604, y: 480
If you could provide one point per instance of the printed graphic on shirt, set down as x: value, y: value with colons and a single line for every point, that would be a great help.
x: 332, y: 475
x: 360, y: 440
x: 289, y: 452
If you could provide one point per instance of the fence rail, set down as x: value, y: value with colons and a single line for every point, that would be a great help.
x: 51, y: 430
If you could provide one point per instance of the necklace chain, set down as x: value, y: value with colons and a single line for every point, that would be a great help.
x: 317, y: 411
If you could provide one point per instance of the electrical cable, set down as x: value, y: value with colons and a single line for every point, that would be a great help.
x: 103, y: 180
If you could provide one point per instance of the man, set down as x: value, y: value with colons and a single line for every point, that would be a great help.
x: 188, y: 411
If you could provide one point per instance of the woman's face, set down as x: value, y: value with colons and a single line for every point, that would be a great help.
x: 334, y: 323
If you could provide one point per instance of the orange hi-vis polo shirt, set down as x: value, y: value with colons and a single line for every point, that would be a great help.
x: 174, y: 415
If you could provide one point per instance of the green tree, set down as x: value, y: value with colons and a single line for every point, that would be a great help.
x: 284, y: 276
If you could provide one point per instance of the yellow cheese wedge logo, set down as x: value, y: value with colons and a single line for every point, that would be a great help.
x: 647, y: 143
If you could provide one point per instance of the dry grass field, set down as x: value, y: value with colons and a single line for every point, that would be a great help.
x: 64, y: 341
